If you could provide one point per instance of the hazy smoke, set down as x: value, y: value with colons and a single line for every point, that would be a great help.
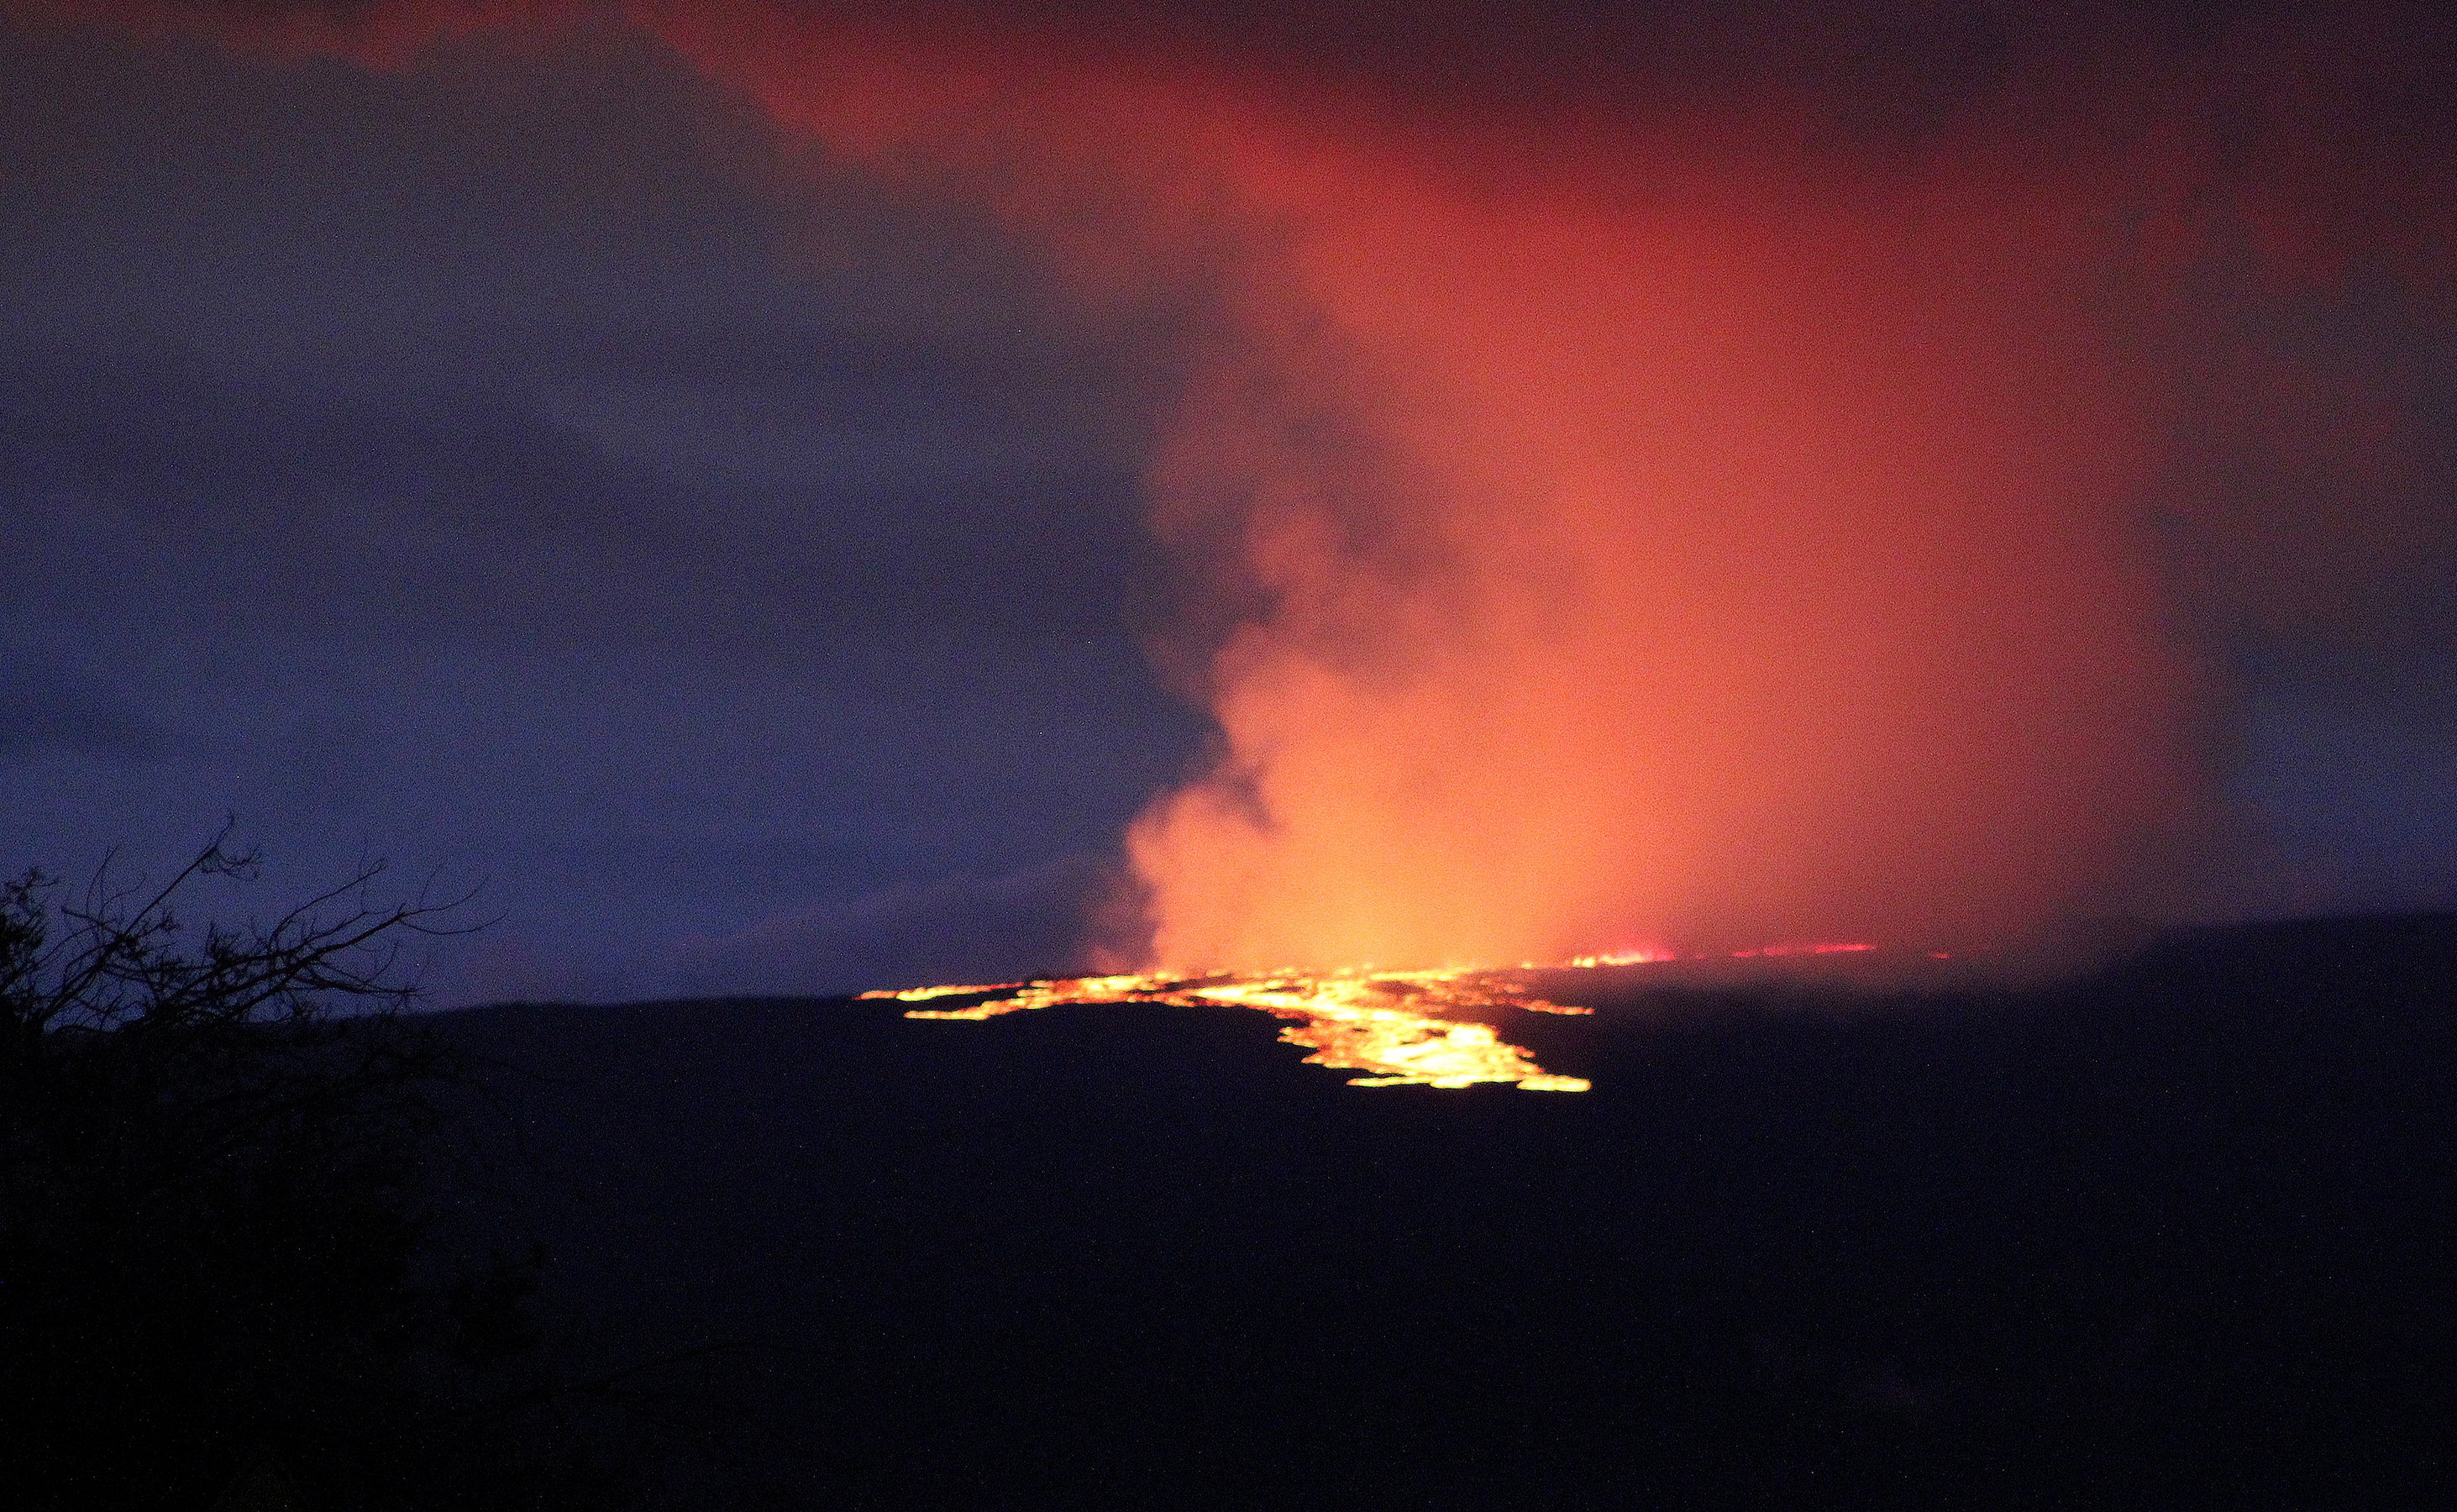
x: 1706, y: 497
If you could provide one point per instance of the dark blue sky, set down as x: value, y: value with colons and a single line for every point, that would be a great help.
x: 513, y: 470
x: 527, y: 467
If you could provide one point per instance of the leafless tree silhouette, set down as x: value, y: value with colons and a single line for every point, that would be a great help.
x: 212, y: 1146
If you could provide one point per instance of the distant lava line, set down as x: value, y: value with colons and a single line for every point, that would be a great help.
x: 1396, y: 1027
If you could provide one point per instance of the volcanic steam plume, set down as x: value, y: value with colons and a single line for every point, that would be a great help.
x: 1677, y: 481
x: 1617, y: 530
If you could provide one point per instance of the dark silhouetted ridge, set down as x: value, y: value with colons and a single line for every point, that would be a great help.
x: 2178, y: 1233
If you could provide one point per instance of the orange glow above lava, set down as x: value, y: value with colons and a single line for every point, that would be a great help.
x: 1655, y: 529
x: 1702, y: 511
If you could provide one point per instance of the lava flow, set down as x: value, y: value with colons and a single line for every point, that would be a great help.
x: 1393, y: 1026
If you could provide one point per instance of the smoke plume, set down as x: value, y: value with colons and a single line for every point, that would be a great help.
x: 1671, y: 476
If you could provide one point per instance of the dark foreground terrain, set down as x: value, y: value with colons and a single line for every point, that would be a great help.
x: 2180, y: 1235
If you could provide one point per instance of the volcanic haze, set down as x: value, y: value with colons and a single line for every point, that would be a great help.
x: 1696, y: 500
x: 1626, y: 537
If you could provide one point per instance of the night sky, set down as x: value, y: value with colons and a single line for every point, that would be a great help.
x: 515, y: 455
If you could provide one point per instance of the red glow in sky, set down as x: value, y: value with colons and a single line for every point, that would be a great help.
x: 1686, y: 521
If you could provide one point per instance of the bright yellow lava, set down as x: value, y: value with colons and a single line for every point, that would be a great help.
x: 1393, y: 1026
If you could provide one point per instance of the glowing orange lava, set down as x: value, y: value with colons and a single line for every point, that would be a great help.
x: 1396, y: 1027
x: 1403, y: 1029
